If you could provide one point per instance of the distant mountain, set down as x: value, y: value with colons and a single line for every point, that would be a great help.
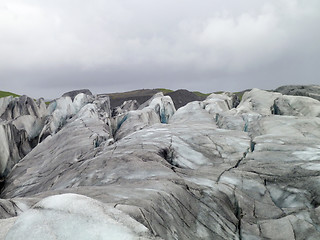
x: 142, y: 95
x: 180, y: 97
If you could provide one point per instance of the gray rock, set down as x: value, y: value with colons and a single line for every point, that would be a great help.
x: 312, y: 91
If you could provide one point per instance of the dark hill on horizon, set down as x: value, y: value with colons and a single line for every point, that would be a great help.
x: 180, y: 97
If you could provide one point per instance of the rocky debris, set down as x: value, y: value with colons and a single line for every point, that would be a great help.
x: 312, y: 91
x: 209, y: 171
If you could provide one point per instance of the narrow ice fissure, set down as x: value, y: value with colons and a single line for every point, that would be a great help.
x: 233, y: 167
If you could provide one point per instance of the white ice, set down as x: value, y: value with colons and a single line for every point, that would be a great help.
x: 258, y: 101
x: 4, y: 102
x: 217, y: 103
x: 164, y: 107
x: 309, y: 154
x: 72, y: 216
x: 4, y: 149
x: 64, y: 108
x: 192, y: 112
x: 301, y: 106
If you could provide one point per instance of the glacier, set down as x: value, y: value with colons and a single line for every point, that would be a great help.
x: 214, y: 169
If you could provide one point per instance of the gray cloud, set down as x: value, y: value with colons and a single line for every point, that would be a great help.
x: 48, y: 47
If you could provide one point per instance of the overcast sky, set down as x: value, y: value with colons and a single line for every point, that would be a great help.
x: 48, y: 47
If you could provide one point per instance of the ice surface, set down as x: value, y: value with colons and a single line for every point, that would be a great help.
x: 159, y: 109
x: 72, y: 216
x: 164, y: 107
x: 297, y: 106
x: 135, y: 121
x: 30, y: 124
x: 258, y: 101
x: 6, y: 224
x: 311, y: 166
x: 64, y: 108
x: 192, y: 112
x: 237, y: 175
x: 186, y: 156
x: 288, y: 198
x: 4, y: 102
x: 217, y: 103
x: 230, y: 180
x: 309, y: 154
x: 4, y: 149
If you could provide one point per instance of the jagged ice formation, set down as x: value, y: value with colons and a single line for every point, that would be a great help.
x: 213, y: 169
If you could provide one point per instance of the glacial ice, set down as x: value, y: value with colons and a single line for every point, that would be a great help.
x: 257, y: 101
x: 159, y: 109
x: 4, y: 149
x: 28, y: 122
x: 4, y: 102
x: 192, y: 112
x: 125, y: 107
x: 164, y: 107
x: 210, y: 170
x: 134, y: 121
x: 72, y: 216
x: 311, y: 166
x: 6, y: 224
x: 297, y: 106
x: 217, y: 103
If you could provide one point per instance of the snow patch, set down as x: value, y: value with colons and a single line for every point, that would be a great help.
x: 72, y: 216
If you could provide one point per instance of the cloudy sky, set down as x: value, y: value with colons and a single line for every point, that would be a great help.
x: 50, y: 47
